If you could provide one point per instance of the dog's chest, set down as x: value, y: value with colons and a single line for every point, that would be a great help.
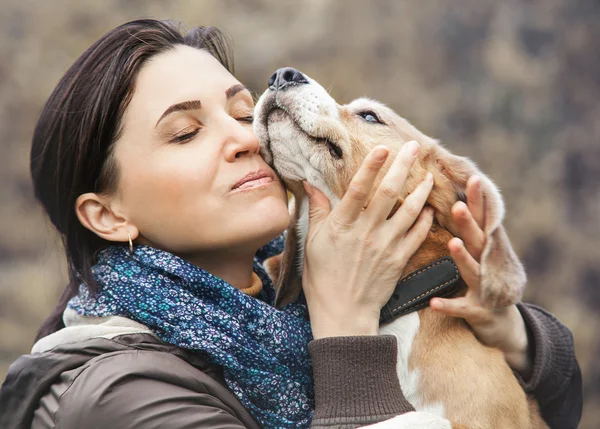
x: 405, y: 329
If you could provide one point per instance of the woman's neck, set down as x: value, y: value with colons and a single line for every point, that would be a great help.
x: 234, y: 265
x: 235, y: 268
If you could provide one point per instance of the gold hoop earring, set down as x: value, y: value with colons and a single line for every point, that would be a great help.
x: 130, y: 243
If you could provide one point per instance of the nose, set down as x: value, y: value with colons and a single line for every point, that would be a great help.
x: 241, y: 141
x: 284, y: 77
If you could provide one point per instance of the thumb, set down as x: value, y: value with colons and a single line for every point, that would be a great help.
x: 460, y: 307
x: 318, y: 204
x: 455, y: 307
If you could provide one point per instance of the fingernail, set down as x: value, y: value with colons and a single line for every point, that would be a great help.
x: 429, y: 177
x: 412, y: 147
x: 456, y: 240
x: 430, y: 210
x: 462, y: 208
x: 380, y: 153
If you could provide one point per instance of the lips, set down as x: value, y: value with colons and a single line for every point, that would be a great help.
x: 254, y: 179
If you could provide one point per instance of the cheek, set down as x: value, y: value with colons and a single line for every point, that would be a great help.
x: 165, y: 184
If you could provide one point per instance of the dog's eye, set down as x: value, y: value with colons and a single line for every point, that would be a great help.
x: 370, y: 116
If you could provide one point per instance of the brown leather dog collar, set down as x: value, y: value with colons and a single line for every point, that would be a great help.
x: 438, y: 279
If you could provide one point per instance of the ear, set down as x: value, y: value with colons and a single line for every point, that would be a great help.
x: 96, y: 213
x: 282, y: 268
x: 502, y: 274
x: 273, y: 267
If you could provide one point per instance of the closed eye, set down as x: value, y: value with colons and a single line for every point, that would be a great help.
x: 248, y: 119
x: 183, y: 138
x: 370, y: 116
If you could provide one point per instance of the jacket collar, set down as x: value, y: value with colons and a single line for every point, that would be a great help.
x: 81, y: 328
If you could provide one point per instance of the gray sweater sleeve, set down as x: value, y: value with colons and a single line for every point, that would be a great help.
x: 355, y: 381
x: 555, y: 381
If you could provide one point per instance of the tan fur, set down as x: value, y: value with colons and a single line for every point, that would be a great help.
x: 473, y: 382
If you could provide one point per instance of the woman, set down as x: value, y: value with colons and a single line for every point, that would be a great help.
x: 145, y: 161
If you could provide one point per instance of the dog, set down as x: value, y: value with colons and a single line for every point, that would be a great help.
x: 443, y: 369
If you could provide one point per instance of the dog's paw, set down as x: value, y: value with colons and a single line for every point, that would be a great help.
x: 413, y: 420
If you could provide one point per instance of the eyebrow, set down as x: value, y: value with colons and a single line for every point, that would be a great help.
x: 184, y: 105
x: 234, y: 90
x: 196, y: 104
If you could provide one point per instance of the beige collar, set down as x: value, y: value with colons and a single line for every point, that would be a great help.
x: 256, y: 287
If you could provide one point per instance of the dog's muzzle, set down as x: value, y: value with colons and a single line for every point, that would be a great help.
x: 286, y: 77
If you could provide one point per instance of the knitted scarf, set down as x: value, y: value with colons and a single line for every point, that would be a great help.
x: 263, y: 351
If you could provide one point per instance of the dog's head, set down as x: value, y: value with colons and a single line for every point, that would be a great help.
x: 306, y: 135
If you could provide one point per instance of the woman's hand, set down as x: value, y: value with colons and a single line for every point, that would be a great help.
x: 354, y: 255
x: 503, y: 328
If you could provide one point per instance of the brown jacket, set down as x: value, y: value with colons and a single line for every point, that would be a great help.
x: 123, y: 377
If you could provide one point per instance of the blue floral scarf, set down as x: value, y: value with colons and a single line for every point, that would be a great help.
x: 264, y: 351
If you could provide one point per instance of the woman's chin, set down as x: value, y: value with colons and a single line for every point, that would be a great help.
x: 268, y: 218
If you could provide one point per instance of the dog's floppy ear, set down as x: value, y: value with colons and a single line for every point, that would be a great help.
x: 282, y: 268
x: 502, y: 274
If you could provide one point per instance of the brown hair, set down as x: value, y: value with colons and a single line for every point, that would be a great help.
x: 73, y: 141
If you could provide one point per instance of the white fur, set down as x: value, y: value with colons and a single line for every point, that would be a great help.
x: 412, y: 420
x: 405, y: 329
x: 302, y: 226
x: 302, y: 231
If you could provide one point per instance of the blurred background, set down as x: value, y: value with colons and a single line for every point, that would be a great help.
x: 514, y: 85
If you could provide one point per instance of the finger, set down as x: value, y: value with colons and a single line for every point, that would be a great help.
x: 469, y: 268
x: 413, y: 205
x: 468, y: 229
x: 389, y: 189
x: 475, y: 200
x: 361, y: 185
x: 458, y: 307
x: 319, y: 205
x: 416, y: 235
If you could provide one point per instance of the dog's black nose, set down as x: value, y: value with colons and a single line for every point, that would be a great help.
x: 286, y: 76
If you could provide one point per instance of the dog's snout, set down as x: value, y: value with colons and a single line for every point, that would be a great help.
x: 285, y: 77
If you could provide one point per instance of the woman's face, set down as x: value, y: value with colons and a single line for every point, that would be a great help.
x: 186, y: 146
